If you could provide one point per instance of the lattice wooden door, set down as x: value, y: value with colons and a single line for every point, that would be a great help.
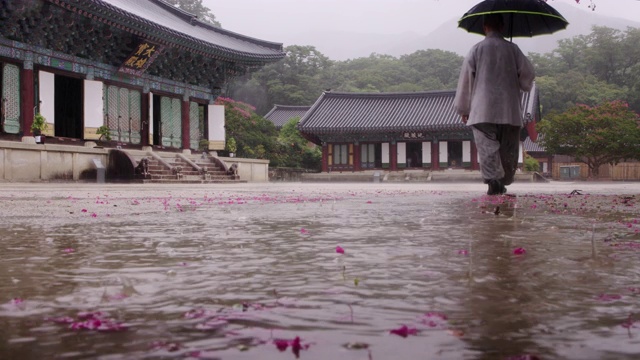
x: 171, y: 122
x: 122, y: 114
x: 196, y: 125
x: 11, y: 98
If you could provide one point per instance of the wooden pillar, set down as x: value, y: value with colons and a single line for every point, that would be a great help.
x: 356, y: 157
x: 435, y: 155
x: 27, y: 99
x: 185, y: 124
x: 474, y: 156
x: 393, y: 156
x: 145, y: 102
x: 325, y: 157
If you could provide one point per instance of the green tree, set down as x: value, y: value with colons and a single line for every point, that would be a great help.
x: 601, y: 66
x: 435, y: 69
x: 255, y: 137
x: 197, y: 8
x: 604, y: 134
x: 531, y: 164
x: 295, y: 148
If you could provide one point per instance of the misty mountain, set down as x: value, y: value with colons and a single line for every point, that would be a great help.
x: 344, y: 45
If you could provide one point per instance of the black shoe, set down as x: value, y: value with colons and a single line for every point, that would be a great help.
x: 496, y: 188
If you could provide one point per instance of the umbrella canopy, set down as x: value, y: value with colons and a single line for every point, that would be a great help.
x: 522, y: 18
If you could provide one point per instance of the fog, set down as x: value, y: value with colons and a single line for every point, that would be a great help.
x: 294, y: 21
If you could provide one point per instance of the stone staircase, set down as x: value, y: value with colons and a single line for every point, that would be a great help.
x: 183, y: 170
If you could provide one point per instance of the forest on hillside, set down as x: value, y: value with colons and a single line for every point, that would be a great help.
x: 587, y: 69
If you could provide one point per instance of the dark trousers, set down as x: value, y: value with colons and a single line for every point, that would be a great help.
x: 498, y: 148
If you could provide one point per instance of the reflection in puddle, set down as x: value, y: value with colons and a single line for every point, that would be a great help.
x: 279, y: 275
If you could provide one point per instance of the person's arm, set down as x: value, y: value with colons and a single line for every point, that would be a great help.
x: 462, y: 101
x: 526, y: 72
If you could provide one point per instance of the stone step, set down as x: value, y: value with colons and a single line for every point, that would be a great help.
x: 214, y: 173
x: 213, y: 181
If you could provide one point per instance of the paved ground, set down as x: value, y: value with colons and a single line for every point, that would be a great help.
x: 554, y: 187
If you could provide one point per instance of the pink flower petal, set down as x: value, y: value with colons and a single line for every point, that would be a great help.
x: 519, y: 251
x: 608, y: 297
x: 16, y: 301
x: 281, y: 344
x: 404, y: 331
x: 339, y: 250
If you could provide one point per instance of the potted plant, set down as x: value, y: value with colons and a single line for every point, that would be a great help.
x: 104, y: 133
x: 38, y: 127
x: 203, y: 145
x: 232, y: 147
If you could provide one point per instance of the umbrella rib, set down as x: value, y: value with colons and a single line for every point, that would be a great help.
x: 514, y: 12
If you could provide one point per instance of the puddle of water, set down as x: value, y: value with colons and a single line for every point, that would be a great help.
x: 235, y: 276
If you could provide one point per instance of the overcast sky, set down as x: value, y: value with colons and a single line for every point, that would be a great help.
x: 280, y: 20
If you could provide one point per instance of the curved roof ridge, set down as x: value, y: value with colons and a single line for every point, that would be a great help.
x: 390, y: 94
x: 291, y: 106
x: 135, y: 10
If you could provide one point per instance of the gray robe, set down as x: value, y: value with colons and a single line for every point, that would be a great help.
x: 492, y: 76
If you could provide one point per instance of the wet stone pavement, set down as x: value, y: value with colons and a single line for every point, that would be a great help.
x: 319, y: 271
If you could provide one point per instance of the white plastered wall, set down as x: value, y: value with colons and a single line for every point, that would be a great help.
x: 466, y: 152
x: 444, y: 152
x: 402, y: 153
x: 426, y: 152
x: 93, y: 104
x: 46, y: 92
x: 216, y: 121
x: 385, y: 153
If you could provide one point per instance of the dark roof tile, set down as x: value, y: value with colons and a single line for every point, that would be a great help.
x: 281, y: 114
x: 337, y: 112
x: 531, y: 146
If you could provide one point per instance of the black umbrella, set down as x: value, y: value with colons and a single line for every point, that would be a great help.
x: 522, y: 18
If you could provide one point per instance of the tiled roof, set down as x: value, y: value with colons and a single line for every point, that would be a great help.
x: 162, y: 18
x: 530, y: 146
x: 336, y: 112
x: 281, y: 114
x: 339, y: 112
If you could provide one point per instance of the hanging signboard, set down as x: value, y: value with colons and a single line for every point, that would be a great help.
x: 414, y: 135
x: 141, y: 58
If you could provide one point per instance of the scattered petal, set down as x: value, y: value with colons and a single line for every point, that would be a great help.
x: 523, y: 357
x: 608, y: 297
x: 339, y: 250
x: 519, y: 251
x: 404, y: 331
x: 281, y: 344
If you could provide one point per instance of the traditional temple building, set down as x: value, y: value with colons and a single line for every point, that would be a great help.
x: 145, y: 69
x: 281, y: 114
x: 396, y: 131
x: 536, y: 151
